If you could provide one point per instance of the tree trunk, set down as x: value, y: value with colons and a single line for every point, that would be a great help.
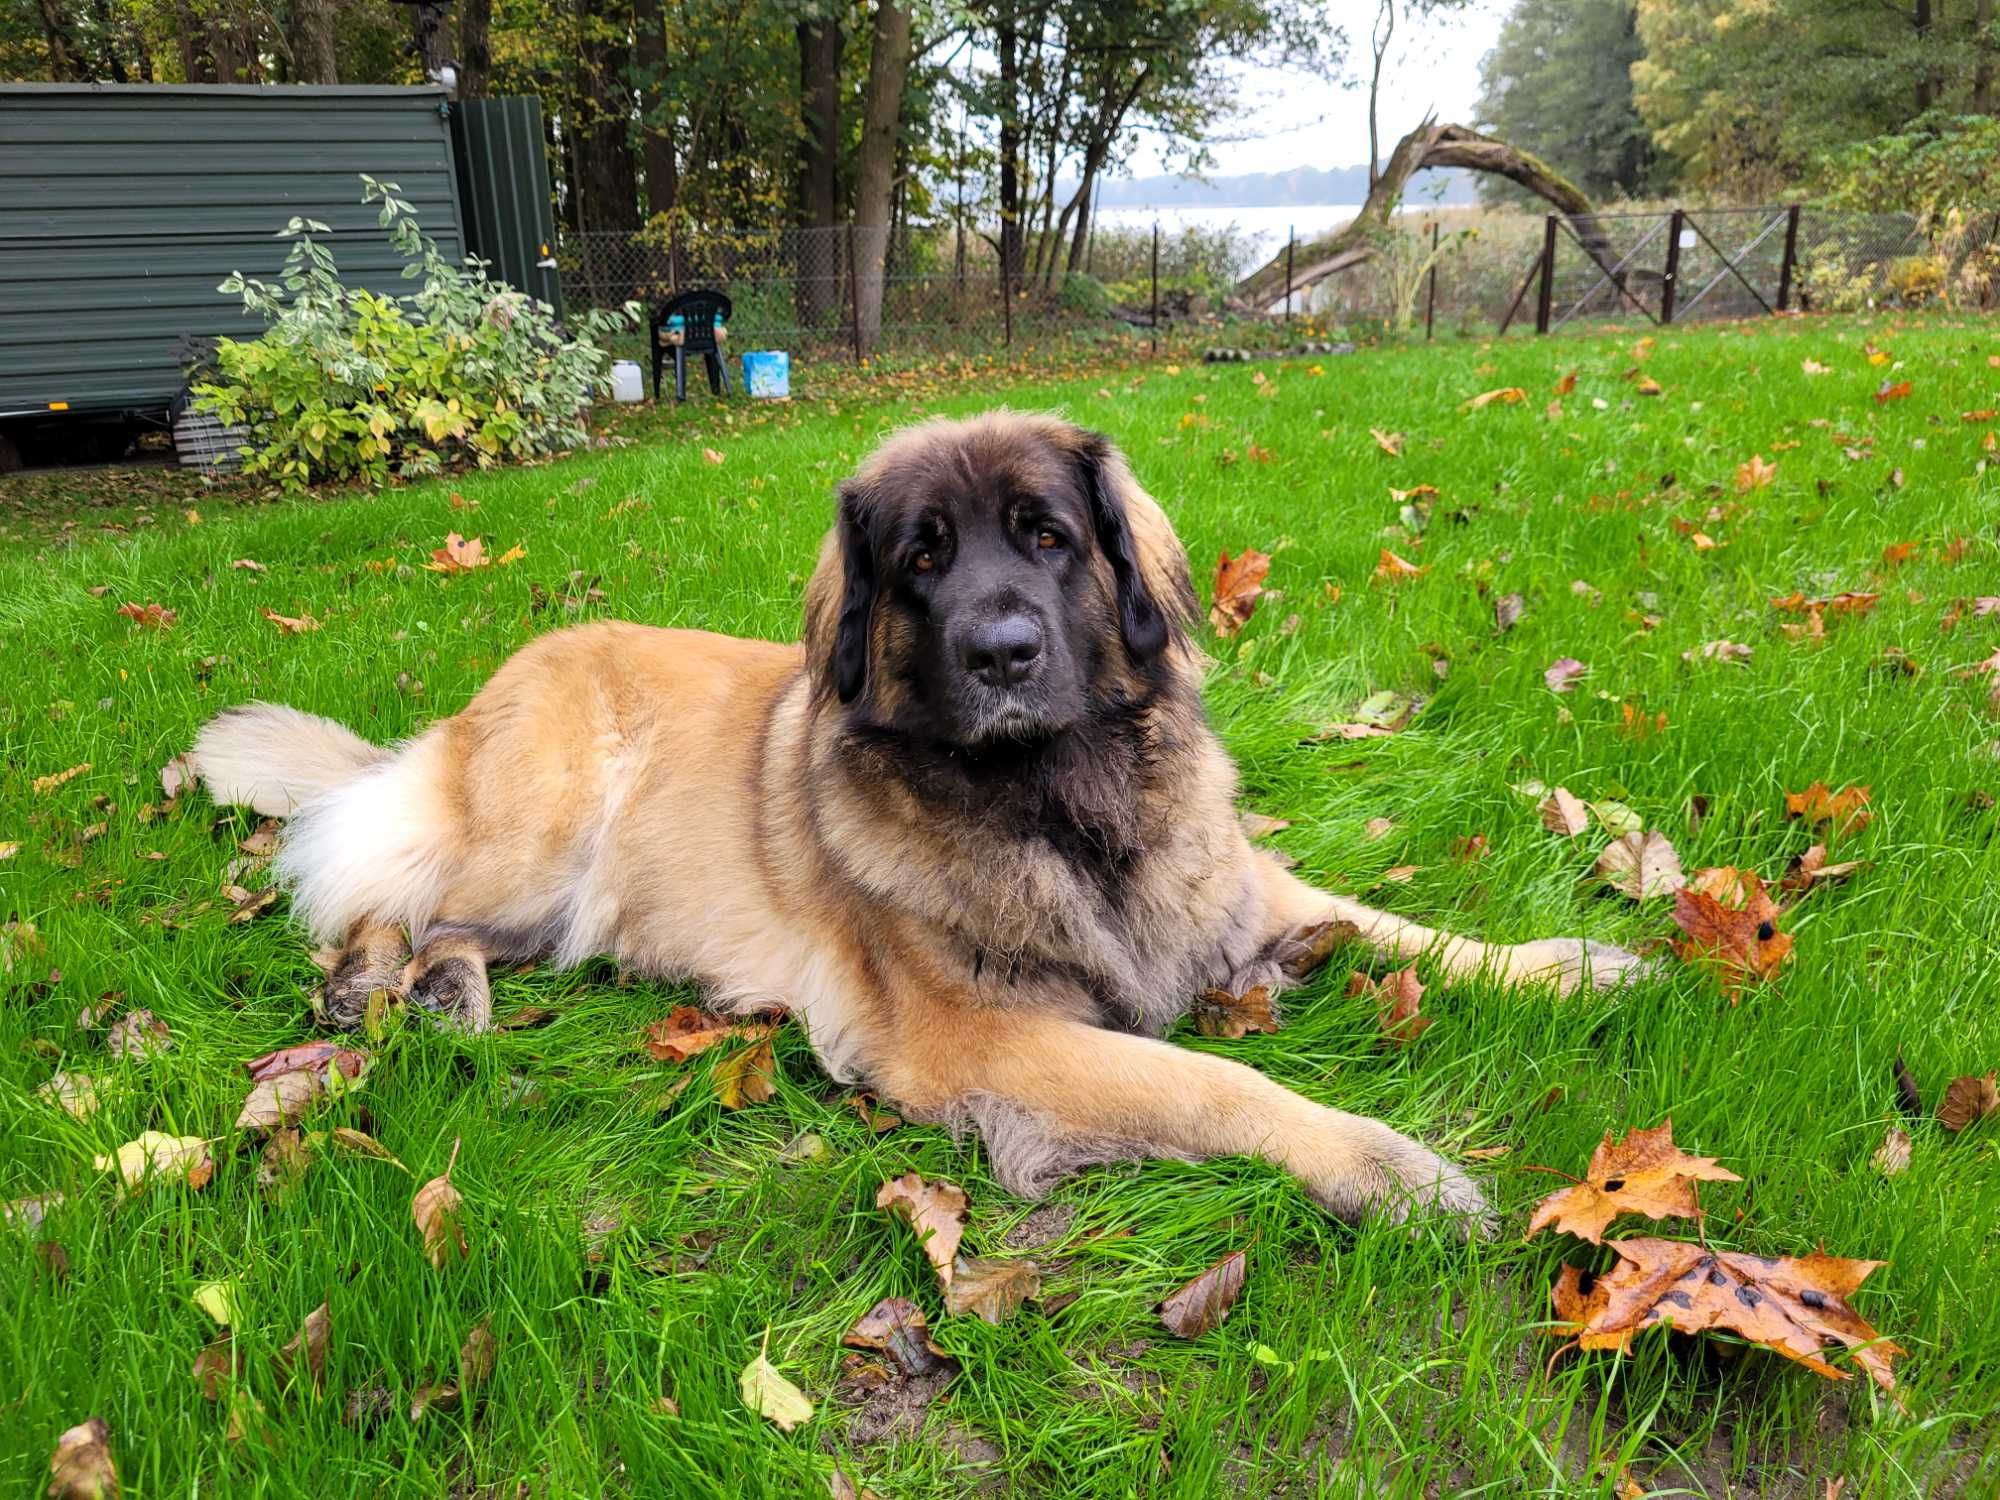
x: 611, y: 178
x: 1085, y: 201
x: 63, y: 61
x: 1429, y: 145
x: 1982, y: 68
x: 656, y: 110
x: 1926, y: 79
x: 475, y: 48
x: 313, y: 58
x: 1385, y: 29
x: 232, y: 42
x: 818, y: 186
x: 197, y: 66
x: 875, y: 166
x: 1008, y: 45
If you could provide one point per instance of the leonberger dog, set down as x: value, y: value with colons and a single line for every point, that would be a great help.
x: 975, y: 833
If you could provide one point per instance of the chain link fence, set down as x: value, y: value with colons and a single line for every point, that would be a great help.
x: 1449, y: 273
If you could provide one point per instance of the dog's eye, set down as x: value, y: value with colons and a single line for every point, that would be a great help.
x: 923, y: 562
x: 1047, y: 539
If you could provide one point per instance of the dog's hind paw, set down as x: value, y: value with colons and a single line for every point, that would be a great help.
x: 372, y: 960
x: 1570, y: 963
x: 1383, y: 1174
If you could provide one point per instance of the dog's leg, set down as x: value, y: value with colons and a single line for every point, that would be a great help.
x: 1050, y: 1094
x: 448, y: 975
x: 371, y: 959
x: 1291, y: 906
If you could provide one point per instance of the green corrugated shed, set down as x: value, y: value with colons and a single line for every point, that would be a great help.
x: 122, y: 206
x: 503, y: 181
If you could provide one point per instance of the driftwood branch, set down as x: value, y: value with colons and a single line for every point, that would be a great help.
x: 1429, y: 145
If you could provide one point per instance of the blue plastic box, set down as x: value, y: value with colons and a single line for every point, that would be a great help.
x: 767, y: 374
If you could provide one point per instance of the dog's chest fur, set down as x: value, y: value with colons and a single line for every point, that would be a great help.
x: 1105, y: 868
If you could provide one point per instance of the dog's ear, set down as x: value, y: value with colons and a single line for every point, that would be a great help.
x: 840, y: 600
x: 1108, y: 485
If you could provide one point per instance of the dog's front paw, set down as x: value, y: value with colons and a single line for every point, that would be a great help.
x: 1568, y: 963
x: 1377, y: 1173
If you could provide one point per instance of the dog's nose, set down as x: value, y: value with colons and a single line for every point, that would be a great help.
x: 1002, y: 652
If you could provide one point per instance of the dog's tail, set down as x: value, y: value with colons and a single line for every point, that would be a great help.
x: 274, y: 759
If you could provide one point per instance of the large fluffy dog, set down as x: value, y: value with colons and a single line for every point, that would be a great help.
x: 975, y: 833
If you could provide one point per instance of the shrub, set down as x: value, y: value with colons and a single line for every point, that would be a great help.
x: 346, y: 382
x: 1085, y: 295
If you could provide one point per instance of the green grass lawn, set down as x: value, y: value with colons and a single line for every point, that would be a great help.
x: 629, y: 1241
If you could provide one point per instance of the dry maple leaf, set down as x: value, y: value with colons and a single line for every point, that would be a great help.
x: 149, y: 616
x: 1204, y: 1303
x: 81, y: 1467
x: 1238, y: 585
x: 308, y: 1344
x: 458, y: 555
x: 1754, y: 474
x: 1840, y: 812
x: 1390, y: 443
x: 1396, y: 998
x: 935, y: 1210
x: 1795, y: 1306
x: 1646, y: 1173
x: 1851, y: 603
x: 687, y: 1030
x: 1390, y: 568
x: 290, y: 624
x: 1562, y: 673
x: 1567, y: 384
x: 1740, y: 943
x: 1811, y: 869
x: 1219, y: 1013
x: 437, y: 1208
x: 747, y: 1076
x: 993, y: 1289
x: 1885, y: 392
x: 1967, y: 1100
x: 1641, y: 866
x: 1507, y: 394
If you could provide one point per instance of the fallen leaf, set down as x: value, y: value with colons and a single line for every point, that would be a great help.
x: 220, y: 1361
x: 249, y: 565
x: 895, y: 1326
x: 1390, y: 568
x: 1967, y: 1100
x: 1641, y: 866
x: 45, y: 784
x: 1648, y: 386
x: 478, y: 1356
x: 1897, y: 553
x: 1811, y: 869
x: 1754, y: 474
x: 1507, y: 612
x: 1567, y: 384
x: 711, y: 455
x: 29, y: 1213
x: 1646, y: 1173
x: 512, y: 555
x: 262, y: 843
x: 994, y: 1289
x: 138, y: 1034
x: 436, y: 1209
x: 282, y: 1096
x: 148, y: 616
x: 433, y: 1396
x: 283, y: 1163
x: 1506, y: 394
x: 1219, y: 1013
x: 1729, y: 651
x: 935, y: 1210
x: 308, y: 1345
x: 222, y: 1301
x: 154, y: 1155
x: 1893, y: 1155
x: 1796, y: 1307
x: 1814, y: 367
x: 1634, y: 723
x: 1562, y: 673
x: 1390, y: 443
x: 76, y: 1094
x: 290, y: 624
x: 1400, y: 874
x: 458, y: 555
x: 770, y: 1395
x: 1204, y: 1303
x: 176, y: 776
x: 880, y: 1121
x: 1238, y: 586
x: 1617, y: 819
x: 747, y: 1076
x: 1564, y: 813
x: 1396, y: 997
x: 1886, y: 392
x: 362, y: 1144
x: 81, y: 1467
x: 1378, y: 828
x: 1739, y: 942
x: 687, y: 1030
x: 839, y: 1486
x: 1840, y: 812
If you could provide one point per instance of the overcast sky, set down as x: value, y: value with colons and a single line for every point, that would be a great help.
x: 1290, y: 120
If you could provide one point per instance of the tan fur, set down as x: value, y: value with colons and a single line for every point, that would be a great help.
x: 695, y: 806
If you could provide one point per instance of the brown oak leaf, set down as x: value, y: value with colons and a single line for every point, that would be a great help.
x: 686, y: 1030
x: 994, y: 1289
x: 1219, y: 1013
x: 1967, y: 1100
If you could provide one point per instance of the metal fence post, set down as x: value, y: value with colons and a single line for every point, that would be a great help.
x: 854, y: 290
x: 1431, y: 301
x: 1670, y: 278
x: 1545, y: 298
x: 1791, y: 257
x: 1006, y: 298
x: 1291, y: 242
x: 1156, y: 286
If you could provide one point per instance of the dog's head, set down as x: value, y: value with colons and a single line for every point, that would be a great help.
x: 992, y: 580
